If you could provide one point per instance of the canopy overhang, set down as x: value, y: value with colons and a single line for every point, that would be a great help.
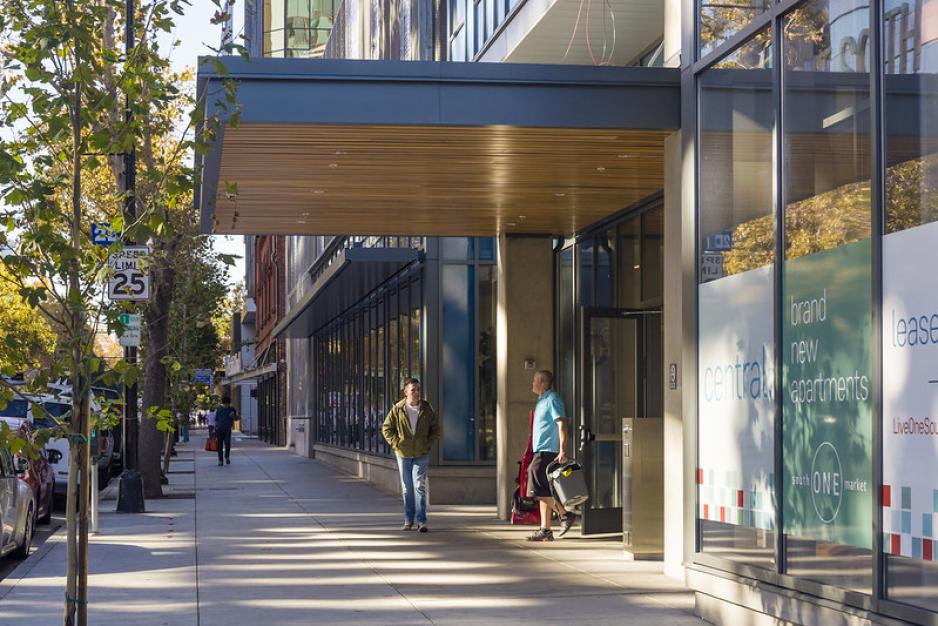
x: 426, y: 148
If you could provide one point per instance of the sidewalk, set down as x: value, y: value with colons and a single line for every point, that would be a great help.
x: 277, y: 539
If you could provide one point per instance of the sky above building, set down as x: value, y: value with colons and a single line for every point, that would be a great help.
x: 195, y: 36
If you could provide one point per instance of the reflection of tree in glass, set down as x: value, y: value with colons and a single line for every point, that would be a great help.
x: 912, y: 193
x: 720, y: 20
x: 807, y: 34
x: 839, y: 216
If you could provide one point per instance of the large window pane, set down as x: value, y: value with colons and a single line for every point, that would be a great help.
x: 736, y: 454
x: 629, y: 271
x: 488, y: 311
x: 566, y: 325
x: 910, y: 303
x: 653, y: 254
x: 458, y: 356
x: 826, y: 312
x: 720, y: 20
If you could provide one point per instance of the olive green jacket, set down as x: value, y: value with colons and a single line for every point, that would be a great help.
x: 397, y: 432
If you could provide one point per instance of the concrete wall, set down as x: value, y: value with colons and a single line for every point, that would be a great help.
x: 525, y: 344
x: 457, y: 484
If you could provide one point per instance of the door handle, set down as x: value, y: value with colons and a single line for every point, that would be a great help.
x: 586, y: 437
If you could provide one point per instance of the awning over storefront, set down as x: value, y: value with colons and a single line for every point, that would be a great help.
x: 352, y: 275
x: 425, y: 148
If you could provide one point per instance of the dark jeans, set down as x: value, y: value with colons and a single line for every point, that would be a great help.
x: 223, y: 435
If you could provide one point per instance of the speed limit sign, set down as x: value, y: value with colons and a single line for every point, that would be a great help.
x: 129, y: 278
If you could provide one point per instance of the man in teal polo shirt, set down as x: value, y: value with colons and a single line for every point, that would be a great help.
x: 549, y: 444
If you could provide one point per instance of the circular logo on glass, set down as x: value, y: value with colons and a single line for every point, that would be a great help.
x: 827, y: 484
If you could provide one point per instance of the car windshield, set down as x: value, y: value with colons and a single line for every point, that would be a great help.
x: 55, y: 409
x: 14, y: 408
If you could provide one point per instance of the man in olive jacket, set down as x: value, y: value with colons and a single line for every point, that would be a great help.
x: 411, y: 428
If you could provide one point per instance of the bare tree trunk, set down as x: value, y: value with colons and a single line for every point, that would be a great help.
x: 75, y: 582
x: 71, y: 521
x: 83, y: 502
x: 156, y: 317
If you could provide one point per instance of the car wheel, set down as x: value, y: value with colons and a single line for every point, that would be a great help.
x: 22, y: 551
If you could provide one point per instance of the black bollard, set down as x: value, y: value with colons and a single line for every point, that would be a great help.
x: 130, y: 493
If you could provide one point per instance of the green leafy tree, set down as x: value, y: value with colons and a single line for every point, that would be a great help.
x: 64, y: 82
x: 27, y: 341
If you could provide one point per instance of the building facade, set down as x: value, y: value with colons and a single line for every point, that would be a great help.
x: 714, y: 231
x: 270, y: 351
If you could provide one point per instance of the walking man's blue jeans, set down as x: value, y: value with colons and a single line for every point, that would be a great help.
x: 414, y: 487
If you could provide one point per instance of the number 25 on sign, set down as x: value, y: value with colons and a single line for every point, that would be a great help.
x: 129, y: 279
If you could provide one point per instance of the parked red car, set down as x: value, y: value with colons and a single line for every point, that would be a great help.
x: 40, y: 476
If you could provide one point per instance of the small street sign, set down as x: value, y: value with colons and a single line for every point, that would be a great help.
x: 719, y: 242
x: 131, y: 336
x: 129, y: 279
x: 711, y: 266
x: 102, y: 234
x: 203, y: 377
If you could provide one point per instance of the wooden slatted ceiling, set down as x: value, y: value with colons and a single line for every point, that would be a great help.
x: 397, y: 180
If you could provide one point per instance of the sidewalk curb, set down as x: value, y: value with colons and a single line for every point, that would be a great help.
x: 23, y: 569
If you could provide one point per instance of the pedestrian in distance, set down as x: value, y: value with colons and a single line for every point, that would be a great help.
x: 411, y: 428
x: 549, y: 444
x: 210, y: 421
x: 225, y: 417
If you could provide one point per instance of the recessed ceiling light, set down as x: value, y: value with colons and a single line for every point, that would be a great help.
x: 300, y: 221
x: 510, y: 224
x: 332, y: 166
x: 559, y: 194
x: 623, y: 156
x: 522, y: 217
x: 341, y: 152
x: 305, y: 213
x: 600, y: 169
x: 319, y: 192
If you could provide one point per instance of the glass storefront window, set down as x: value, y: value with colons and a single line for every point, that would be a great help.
x: 585, y: 273
x: 456, y: 248
x: 736, y: 235
x: 352, y: 357
x: 653, y: 254
x: 630, y: 264
x: 826, y: 291
x: 910, y: 303
x: 566, y: 325
x: 605, y: 258
x: 457, y: 413
x: 487, y: 402
x: 721, y: 20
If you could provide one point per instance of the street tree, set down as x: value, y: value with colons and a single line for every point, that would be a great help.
x: 73, y: 101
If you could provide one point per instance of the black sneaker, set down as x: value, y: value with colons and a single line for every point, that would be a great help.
x: 422, y: 528
x: 566, y: 523
x: 220, y: 464
x: 407, y: 526
x: 228, y: 461
x: 542, y: 534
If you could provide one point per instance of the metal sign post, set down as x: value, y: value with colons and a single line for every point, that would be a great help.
x: 130, y: 493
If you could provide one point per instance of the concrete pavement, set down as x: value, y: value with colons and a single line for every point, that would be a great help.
x: 277, y: 539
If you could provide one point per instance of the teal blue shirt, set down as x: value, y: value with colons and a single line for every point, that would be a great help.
x: 544, y: 434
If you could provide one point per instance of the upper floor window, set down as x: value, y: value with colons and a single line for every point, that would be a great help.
x: 297, y: 28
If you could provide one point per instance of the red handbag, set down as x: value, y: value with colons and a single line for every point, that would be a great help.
x: 211, y: 445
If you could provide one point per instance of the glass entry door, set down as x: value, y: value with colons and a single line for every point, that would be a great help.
x: 615, y: 344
